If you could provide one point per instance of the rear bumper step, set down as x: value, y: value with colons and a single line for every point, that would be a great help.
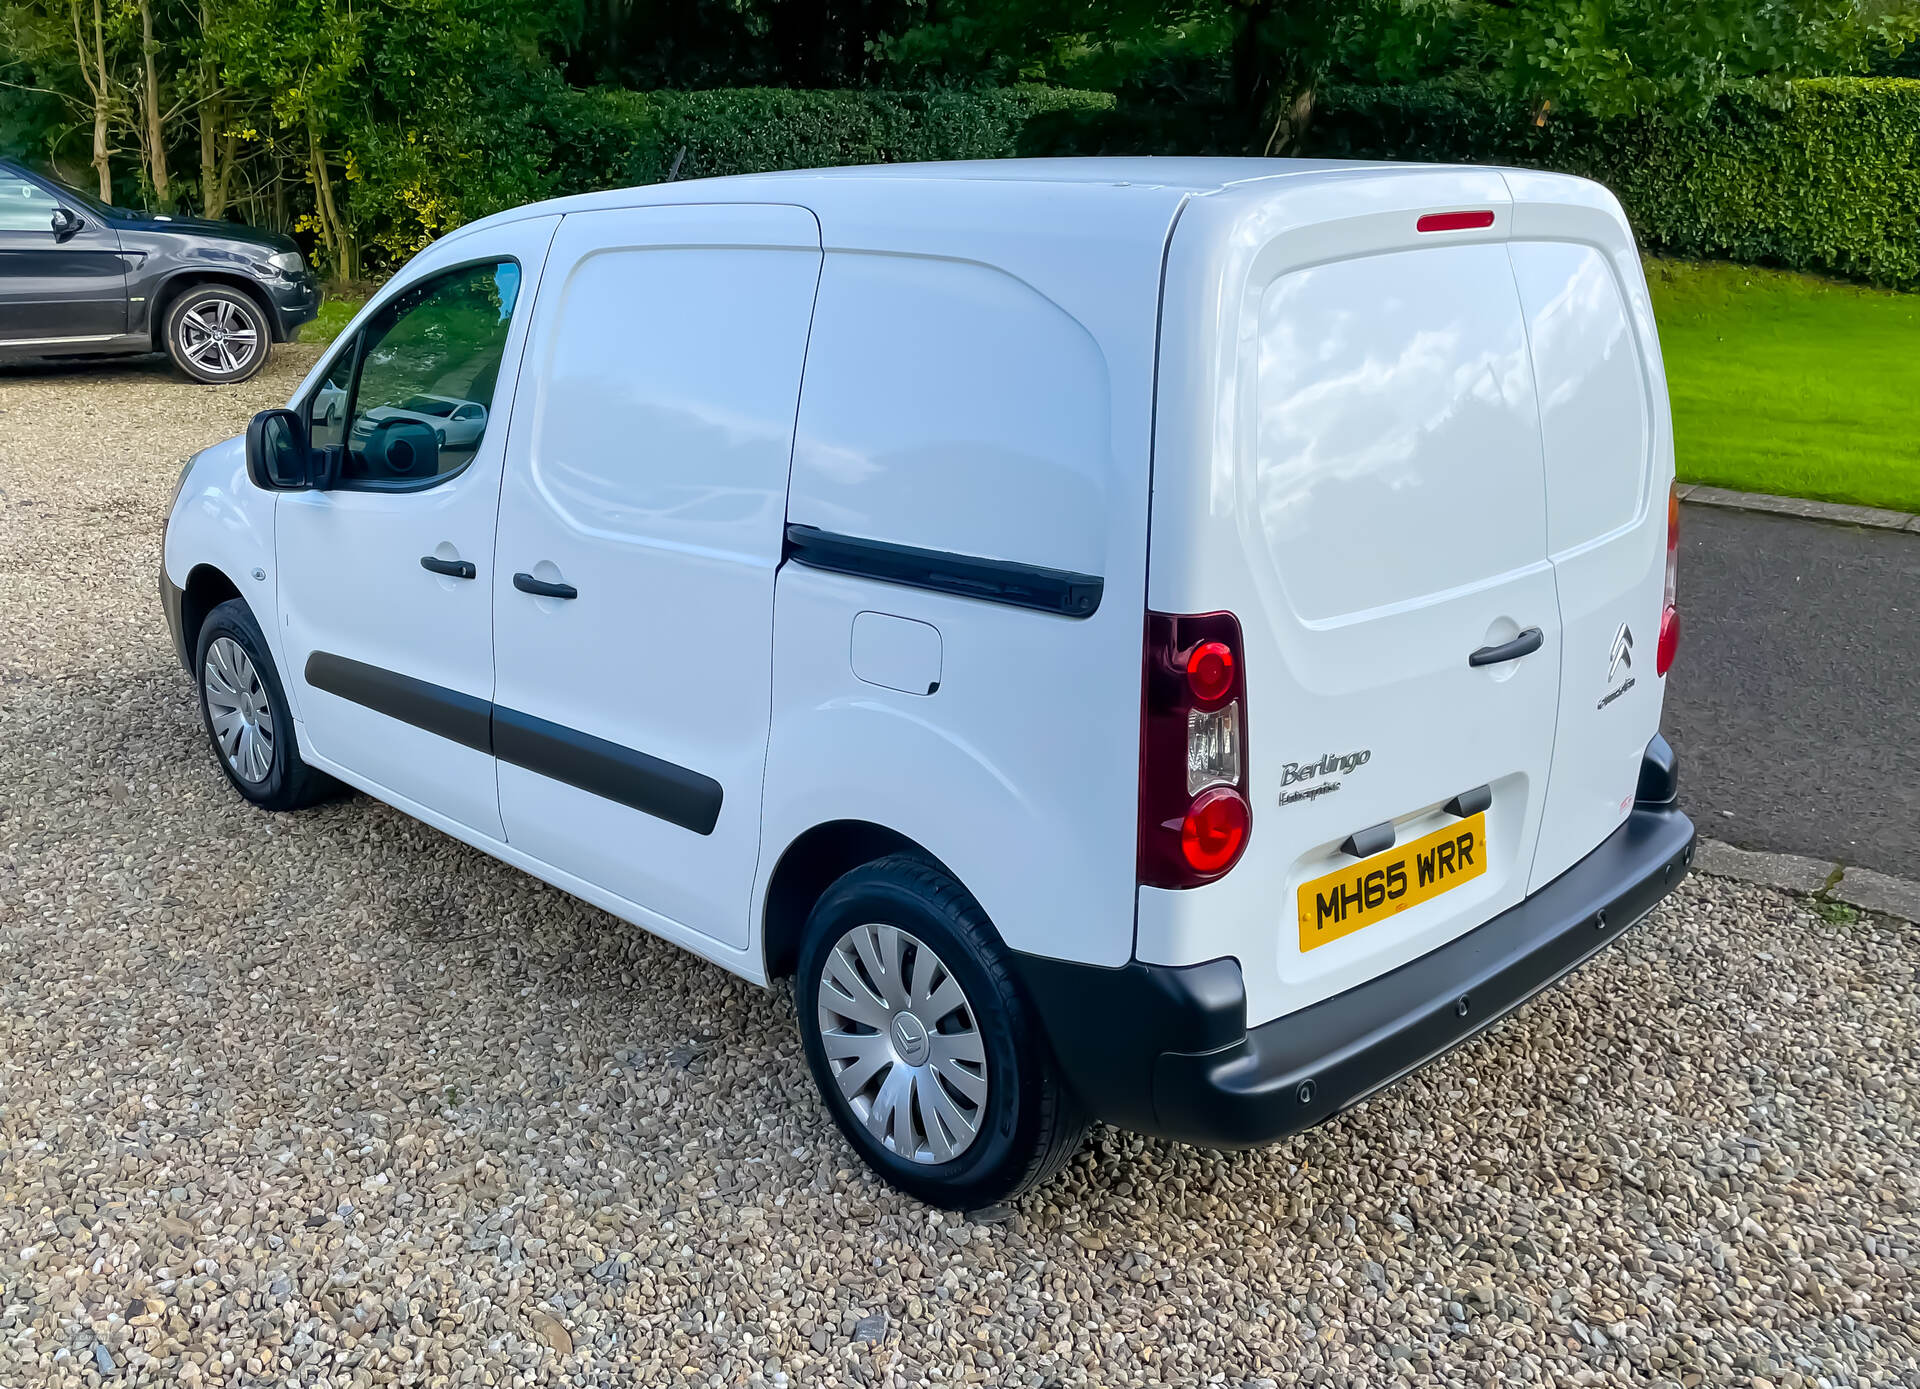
x: 1190, y: 1069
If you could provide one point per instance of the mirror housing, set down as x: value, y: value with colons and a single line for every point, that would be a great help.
x: 278, y: 458
x: 65, y: 223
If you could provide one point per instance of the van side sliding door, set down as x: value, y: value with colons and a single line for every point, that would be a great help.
x: 641, y: 526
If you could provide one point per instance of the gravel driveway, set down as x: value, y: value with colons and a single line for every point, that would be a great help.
x: 332, y: 1099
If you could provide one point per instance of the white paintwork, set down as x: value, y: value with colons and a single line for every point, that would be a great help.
x: 1609, y: 455
x: 649, y: 469
x: 896, y: 653
x: 351, y: 584
x: 1380, y: 449
x: 222, y: 521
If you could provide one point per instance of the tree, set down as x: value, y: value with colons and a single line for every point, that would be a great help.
x: 1257, y: 64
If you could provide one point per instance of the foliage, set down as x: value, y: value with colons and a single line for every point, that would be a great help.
x: 1818, y: 175
x: 1770, y: 394
x: 635, y: 137
x: 370, y: 126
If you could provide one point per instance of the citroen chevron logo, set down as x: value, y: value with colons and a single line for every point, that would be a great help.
x: 1622, y: 653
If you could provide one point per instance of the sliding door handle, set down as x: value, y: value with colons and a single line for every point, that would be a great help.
x: 526, y: 583
x: 1525, y: 644
x: 452, y: 568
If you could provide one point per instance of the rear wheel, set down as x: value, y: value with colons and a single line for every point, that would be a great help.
x: 246, y: 714
x: 921, y: 1043
x: 217, y: 334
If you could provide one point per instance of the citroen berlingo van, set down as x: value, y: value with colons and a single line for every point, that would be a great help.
x: 1173, y: 642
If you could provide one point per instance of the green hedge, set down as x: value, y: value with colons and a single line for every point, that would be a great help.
x: 1822, y: 175
x: 620, y: 137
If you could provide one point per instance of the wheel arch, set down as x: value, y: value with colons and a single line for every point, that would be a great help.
x: 810, y: 864
x: 177, y: 284
x: 208, y: 586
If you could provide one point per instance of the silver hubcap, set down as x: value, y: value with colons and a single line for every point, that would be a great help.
x: 903, y: 1043
x: 238, y: 708
x: 216, y: 336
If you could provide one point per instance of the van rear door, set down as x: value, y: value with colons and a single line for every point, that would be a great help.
x: 1608, y: 447
x: 1369, y: 500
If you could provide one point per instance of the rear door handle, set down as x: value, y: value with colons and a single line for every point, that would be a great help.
x: 1525, y: 644
x: 526, y: 583
x: 452, y: 568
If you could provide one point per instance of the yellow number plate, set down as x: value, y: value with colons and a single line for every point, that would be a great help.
x: 1339, y: 903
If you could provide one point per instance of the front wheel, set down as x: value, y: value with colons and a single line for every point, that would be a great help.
x: 217, y: 334
x: 921, y: 1043
x: 246, y: 714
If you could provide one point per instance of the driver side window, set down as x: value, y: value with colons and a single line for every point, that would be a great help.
x: 408, y: 402
x: 24, y: 206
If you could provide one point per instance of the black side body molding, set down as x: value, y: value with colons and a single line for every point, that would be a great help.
x: 659, y: 788
x: 465, y: 718
x: 939, y: 571
x: 648, y: 784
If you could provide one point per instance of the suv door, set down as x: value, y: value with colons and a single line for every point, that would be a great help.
x: 56, y: 290
x: 641, y: 525
x: 383, y: 584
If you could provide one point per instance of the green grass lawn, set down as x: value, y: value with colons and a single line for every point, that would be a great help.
x: 337, y: 308
x: 1780, y: 382
x: 1790, y: 384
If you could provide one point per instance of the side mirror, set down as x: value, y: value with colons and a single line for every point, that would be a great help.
x: 278, y: 458
x: 65, y: 223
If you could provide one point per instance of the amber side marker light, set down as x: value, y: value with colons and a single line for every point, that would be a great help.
x: 1454, y: 221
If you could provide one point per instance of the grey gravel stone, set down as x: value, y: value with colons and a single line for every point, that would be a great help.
x: 329, y: 1099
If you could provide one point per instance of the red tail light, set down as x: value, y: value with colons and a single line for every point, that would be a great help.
x: 1669, y: 614
x: 1194, y: 815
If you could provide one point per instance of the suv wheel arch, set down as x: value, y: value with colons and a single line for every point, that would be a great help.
x: 182, y: 281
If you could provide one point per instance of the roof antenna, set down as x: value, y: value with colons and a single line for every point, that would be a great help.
x: 674, y: 172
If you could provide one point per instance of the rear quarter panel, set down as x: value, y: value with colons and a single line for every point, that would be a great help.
x: 980, y: 382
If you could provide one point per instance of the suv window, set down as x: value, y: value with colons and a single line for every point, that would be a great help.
x: 428, y: 355
x: 24, y: 206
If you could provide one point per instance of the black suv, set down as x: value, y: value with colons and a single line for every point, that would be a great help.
x: 79, y: 276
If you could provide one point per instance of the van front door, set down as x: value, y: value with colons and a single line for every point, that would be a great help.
x: 641, y: 525
x: 385, y: 579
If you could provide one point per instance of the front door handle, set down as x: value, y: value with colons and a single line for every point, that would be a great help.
x: 1525, y: 644
x: 452, y: 568
x: 526, y: 583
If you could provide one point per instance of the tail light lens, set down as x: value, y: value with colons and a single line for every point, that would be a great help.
x: 1194, y: 814
x: 1669, y: 614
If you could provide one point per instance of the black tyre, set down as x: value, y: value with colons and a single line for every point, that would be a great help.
x: 246, y: 715
x: 217, y: 334
x: 921, y: 1043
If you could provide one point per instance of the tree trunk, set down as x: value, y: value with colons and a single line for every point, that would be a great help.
x: 92, y: 61
x: 155, y: 125
x: 334, y: 233
x: 1250, y: 80
x: 1292, y: 114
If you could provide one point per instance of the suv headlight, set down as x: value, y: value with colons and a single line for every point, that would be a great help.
x: 287, y: 262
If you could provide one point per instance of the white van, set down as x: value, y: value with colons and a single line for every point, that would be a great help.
x: 1176, y: 642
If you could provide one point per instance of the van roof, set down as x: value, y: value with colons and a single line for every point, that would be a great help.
x: 875, y: 190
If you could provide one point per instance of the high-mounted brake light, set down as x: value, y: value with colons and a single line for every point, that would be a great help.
x: 1670, y: 614
x: 1194, y: 815
x: 1454, y: 221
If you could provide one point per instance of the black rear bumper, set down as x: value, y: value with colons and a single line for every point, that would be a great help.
x: 1185, y: 1065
